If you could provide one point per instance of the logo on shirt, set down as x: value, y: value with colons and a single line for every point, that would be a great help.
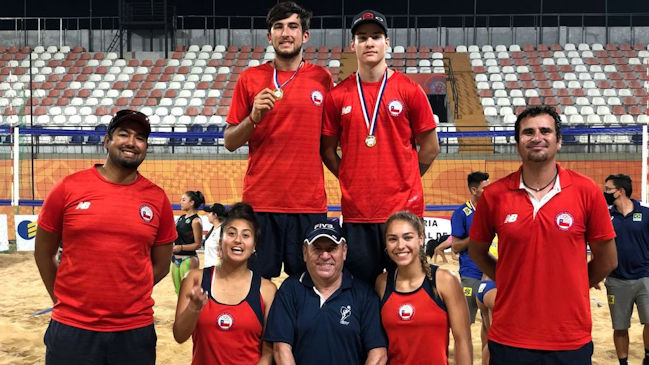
x: 316, y: 97
x: 225, y: 321
x: 467, y: 211
x: 637, y: 217
x: 511, y: 218
x: 346, y: 110
x: 395, y: 108
x: 345, y: 312
x: 146, y: 213
x: 564, y: 221
x: 406, y: 312
x: 83, y: 205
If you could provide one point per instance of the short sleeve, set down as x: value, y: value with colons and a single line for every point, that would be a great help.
x: 167, y: 229
x: 330, y: 117
x: 420, y: 111
x: 241, y: 105
x: 372, y: 333
x: 458, y: 227
x: 282, y: 317
x: 50, y: 217
x: 482, y: 229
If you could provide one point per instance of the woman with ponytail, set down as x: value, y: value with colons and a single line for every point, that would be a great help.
x: 420, y: 302
x: 190, y: 237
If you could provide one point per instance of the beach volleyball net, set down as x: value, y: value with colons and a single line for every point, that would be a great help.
x: 34, y: 158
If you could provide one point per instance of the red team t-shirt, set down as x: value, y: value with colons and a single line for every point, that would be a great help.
x: 542, y: 274
x: 377, y: 181
x: 285, y: 173
x: 105, y: 278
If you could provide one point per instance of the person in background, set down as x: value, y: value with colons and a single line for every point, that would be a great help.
x: 629, y: 282
x: 215, y: 215
x: 486, y: 299
x: 190, y: 233
x: 460, y: 225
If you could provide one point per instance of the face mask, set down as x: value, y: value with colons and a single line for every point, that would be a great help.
x: 609, y: 198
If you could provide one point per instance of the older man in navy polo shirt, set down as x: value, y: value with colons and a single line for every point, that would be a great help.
x: 325, y: 316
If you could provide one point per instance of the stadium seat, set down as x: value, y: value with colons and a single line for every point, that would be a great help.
x: 487, y: 102
x: 603, y: 110
x: 610, y: 119
x: 626, y: 119
x: 576, y: 119
x: 593, y: 119
x: 490, y: 112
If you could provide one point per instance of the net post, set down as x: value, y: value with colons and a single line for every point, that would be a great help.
x: 15, y: 195
x: 644, y: 164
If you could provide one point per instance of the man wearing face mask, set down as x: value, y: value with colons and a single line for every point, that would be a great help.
x: 629, y: 282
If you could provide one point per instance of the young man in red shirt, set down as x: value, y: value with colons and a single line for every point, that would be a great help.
x: 379, y: 117
x: 544, y: 216
x: 116, y: 228
x: 277, y: 110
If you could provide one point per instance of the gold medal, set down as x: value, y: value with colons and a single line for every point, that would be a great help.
x: 278, y: 94
x: 370, y: 141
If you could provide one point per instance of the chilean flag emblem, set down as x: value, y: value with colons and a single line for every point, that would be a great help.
x: 406, y: 312
x: 225, y: 321
x: 564, y: 221
x: 316, y: 97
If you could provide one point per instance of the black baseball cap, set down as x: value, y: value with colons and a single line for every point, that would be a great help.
x: 216, y: 208
x: 325, y: 228
x: 128, y: 114
x: 369, y: 16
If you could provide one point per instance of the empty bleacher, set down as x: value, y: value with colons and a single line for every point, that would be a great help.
x: 590, y: 84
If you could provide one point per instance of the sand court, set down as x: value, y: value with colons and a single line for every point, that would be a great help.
x: 21, y: 336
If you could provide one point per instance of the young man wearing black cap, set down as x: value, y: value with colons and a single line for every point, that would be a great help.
x: 379, y: 117
x: 277, y: 109
x: 325, y: 315
x: 117, y: 228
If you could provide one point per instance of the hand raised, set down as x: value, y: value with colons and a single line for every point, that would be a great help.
x: 264, y: 101
x: 197, y: 298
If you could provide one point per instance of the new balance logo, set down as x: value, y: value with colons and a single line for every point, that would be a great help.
x: 511, y: 218
x: 83, y: 205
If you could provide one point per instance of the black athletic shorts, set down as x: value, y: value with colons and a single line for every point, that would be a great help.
x: 508, y: 355
x: 282, y: 236
x: 66, y: 345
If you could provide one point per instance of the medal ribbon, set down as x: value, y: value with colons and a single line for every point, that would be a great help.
x: 371, y: 125
x: 276, y: 80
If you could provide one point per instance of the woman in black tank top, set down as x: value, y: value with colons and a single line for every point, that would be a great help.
x: 190, y: 236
